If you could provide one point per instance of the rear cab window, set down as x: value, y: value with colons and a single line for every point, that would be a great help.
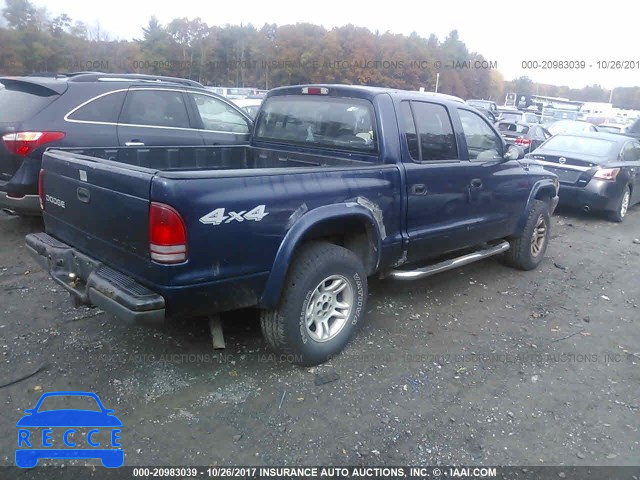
x: 336, y: 123
x: 20, y: 101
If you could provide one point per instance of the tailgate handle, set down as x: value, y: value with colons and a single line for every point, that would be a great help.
x: 84, y: 195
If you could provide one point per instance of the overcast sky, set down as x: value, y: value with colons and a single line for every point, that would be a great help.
x: 508, y: 32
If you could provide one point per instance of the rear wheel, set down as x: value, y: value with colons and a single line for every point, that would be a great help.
x: 623, y: 206
x: 527, y: 251
x: 321, y: 306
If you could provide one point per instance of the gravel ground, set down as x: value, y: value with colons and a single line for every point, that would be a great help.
x: 483, y: 365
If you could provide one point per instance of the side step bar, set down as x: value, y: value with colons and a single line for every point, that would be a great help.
x: 448, y: 264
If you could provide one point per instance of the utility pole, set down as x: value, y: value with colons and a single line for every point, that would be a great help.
x: 437, y: 80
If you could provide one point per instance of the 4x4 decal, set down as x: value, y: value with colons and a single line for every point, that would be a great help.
x: 217, y: 216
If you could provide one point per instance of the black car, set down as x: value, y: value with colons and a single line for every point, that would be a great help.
x: 597, y: 171
x: 527, y: 136
x: 102, y: 110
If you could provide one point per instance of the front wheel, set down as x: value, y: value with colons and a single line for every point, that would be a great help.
x: 623, y: 206
x: 527, y: 251
x: 321, y: 307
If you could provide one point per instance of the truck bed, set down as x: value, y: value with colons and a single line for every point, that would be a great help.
x: 214, y: 157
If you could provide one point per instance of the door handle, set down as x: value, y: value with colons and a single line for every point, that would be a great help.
x: 418, y: 189
x: 476, y: 183
x: 83, y: 195
x: 134, y: 143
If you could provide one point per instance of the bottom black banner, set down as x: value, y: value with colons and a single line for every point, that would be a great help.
x: 319, y: 472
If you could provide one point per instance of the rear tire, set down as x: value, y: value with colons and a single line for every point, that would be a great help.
x: 321, y: 306
x: 619, y: 214
x: 527, y: 251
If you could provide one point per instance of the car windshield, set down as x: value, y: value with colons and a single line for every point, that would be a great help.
x: 569, y: 144
x: 609, y: 128
x: 69, y: 402
x: 479, y: 104
x: 512, y: 127
x: 511, y: 116
x: 320, y: 121
x: 569, y: 126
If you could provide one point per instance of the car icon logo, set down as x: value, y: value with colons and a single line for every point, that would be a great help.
x: 562, y: 160
x: 69, y: 433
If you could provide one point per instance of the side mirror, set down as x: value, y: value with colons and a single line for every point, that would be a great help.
x: 514, y: 152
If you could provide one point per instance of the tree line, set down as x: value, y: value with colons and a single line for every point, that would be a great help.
x: 34, y: 41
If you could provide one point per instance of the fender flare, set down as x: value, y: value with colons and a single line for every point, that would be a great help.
x: 543, y: 185
x: 356, y: 210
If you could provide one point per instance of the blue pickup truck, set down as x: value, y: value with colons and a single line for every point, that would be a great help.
x: 338, y: 183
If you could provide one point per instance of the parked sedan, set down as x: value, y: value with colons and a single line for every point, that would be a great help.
x: 597, y: 171
x: 571, y: 126
x: 528, y: 137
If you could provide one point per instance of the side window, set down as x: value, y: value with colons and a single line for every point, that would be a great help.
x: 437, y: 141
x: 409, y: 130
x: 217, y: 115
x: 546, y: 133
x: 434, y: 140
x: 635, y: 128
x: 104, y: 109
x: 163, y: 108
x: 630, y: 152
x: 482, y: 142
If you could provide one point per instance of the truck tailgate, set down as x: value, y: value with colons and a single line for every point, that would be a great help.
x: 99, y: 207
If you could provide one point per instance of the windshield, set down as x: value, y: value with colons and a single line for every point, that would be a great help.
x: 319, y: 121
x: 512, y: 117
x: 69, y: 402
x: 479, y: 104
x: 512, y: 127
x: 569, y: 144
x: 610, y: 128
x: 569, y: 126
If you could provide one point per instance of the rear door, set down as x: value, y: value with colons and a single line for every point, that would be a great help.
x: 219, y: 122
x: 20, y: 100
x: 437, y: 180
x: 156, y: 117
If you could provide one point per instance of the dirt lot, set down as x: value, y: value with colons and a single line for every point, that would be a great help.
x: 483, y: 365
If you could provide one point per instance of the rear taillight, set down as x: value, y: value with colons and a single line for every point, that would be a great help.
x: 523, y: 142
x: 607, y: 174
x: 167, y: 234
x: 23, y: 143
x: 41, y: 188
